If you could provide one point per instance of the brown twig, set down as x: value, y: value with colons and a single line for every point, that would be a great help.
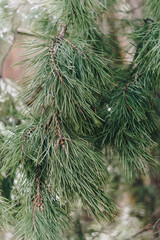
x: 61, y: 139
x: 52, y: 53
x: 63, y: 31
x: 126, y: 87
x: 39, y: 200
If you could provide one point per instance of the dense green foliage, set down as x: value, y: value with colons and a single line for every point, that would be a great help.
x: 79, y: 100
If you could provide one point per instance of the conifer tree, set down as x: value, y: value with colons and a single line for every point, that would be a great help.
x: 79, y: 100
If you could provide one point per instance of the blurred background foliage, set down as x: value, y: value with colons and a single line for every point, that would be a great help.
x: 138, y: 201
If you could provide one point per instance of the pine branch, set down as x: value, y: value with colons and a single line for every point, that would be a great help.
x: 52, y: 52
x: 128, y: 125
x: 39, y: 200
x: 67, y: 78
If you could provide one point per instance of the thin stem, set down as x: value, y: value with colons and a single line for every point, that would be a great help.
x: 61, y: 139
x: 25, y: 138
x: 39, y: 199
x: 52, y: 53
x: 70, y: 43
x: 52, y: 50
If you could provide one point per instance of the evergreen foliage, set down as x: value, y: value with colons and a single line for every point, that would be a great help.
x: 4, y: 207
x: 153, y: 9
x: 128, y: 126
x: 79, y: 100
